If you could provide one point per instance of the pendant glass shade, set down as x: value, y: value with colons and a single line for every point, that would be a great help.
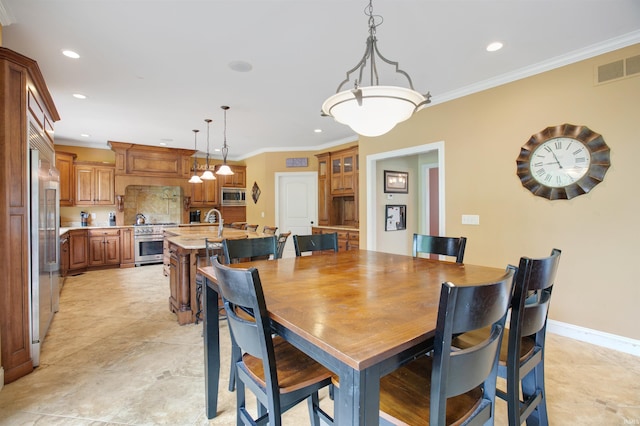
x: 224, y: 170
x: 207, y: 175
x: 379, y: 110
x: 195, y: 178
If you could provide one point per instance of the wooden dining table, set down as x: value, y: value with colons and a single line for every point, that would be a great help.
x: 360, y: 313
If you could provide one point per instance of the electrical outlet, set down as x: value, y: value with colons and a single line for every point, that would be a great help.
x: 470, y: 219
x: 93, y: 216
x: 262, y: 214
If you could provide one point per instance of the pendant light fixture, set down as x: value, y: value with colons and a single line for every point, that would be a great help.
x: 195, y: 178
x: 207, y: 175
x: 373, y: 110
x: 224, y: 169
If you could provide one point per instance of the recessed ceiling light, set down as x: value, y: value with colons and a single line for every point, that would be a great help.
x: 79, y: 96
x: 163, y: 143
x: 240, y: 66
x: 85, y: 135
x: 317, y: 130
x: 492, y: 47
x: 70, y: 54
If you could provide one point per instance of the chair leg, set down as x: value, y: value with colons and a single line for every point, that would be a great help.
x: 313, y: 402
x: 533, y: 387
x: 236, y: 355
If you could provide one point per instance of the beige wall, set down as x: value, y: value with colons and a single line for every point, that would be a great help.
x: 597, y: 286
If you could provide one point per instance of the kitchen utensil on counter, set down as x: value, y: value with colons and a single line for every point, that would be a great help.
x: 140, y: 219
x: 84, y: 218
x: 112, y: 218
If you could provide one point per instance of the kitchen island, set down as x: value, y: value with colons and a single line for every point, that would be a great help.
x: 184, y: 251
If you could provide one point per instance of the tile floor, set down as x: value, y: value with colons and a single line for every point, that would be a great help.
x: 116, y: 355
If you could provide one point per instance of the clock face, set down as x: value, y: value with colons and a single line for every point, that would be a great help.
x: 563, y: 162
x: 559, y: 162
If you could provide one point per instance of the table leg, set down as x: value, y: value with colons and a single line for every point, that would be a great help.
x: 358, y: 399
x: 211, y: 334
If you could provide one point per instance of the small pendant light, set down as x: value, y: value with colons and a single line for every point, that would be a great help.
x: 207, y: 175
x: 224, y: 169
x: 195, y: 178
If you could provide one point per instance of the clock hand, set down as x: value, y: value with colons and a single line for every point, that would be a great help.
x: 556, y: 158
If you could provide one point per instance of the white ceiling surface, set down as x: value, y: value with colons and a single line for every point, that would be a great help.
x: 154, y: 70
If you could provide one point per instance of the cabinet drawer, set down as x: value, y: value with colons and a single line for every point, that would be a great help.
x: 354, y: 236
x: 104, y: 232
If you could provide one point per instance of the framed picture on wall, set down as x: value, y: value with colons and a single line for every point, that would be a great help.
x: 395, y: 217
x: 396, y: 182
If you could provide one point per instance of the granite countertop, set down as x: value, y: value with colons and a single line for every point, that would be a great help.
x: 193, y: 239
x: 68, y: 228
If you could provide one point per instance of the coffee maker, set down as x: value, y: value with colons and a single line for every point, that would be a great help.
x: 194, y: 216
x: 84, y: 218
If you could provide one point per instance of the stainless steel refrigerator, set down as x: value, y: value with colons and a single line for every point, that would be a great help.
x: 44, y: 243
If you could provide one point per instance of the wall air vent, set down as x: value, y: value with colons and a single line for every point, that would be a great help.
x: 618, y: 69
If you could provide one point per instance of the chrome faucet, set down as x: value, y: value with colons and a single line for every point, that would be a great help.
x: 210, y: 217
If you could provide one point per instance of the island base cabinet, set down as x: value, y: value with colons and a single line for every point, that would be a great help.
x: 183, y: 268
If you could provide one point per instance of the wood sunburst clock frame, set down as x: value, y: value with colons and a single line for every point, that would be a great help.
x: 562, y: 162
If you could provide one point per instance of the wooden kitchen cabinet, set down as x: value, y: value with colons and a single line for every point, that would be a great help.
x: 64, y: 164
x: 104, y: 247
x: 343, y: 171
x: 237, y: 180
x: 94, y: 184
x: 348, y: 239
x: 205, y: 194
x: 64, y: 254
x: 338, y: 198
x: 232, y: 214
x: 78, y: 250
x: 127, y: 247
x: 324, y: 190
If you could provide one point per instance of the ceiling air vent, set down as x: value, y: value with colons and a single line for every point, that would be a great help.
x: 618, y: 69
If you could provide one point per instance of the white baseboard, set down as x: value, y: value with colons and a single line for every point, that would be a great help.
x: 595, y: 337
x: 1, y: 377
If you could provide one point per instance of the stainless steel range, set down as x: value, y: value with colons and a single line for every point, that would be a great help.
x: 148, y: 241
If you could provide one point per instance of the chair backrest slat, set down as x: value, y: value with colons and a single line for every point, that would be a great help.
x: 248, y: 248
x: 315, y: 242
x: 445, y: 246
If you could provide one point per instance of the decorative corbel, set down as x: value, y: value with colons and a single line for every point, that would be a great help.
x: 120, y: 202
x: 186, y: 203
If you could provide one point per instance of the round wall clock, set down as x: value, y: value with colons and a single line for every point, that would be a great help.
x: 563, y: 161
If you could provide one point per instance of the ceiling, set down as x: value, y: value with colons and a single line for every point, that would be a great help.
x: 154, y: 70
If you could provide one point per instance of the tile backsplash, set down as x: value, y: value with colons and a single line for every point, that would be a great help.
x: 159, y: 204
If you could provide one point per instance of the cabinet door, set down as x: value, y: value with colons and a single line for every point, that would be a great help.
x: 84, y: 185
x: 205, y: 193
x: 237, y: 180
x: 64, y: 164
x: 96, y: 251
x: 78, y: 246
x: 104, y: 192
x: 324, y: 190
x: 127, y: 246
x: 112, y: 250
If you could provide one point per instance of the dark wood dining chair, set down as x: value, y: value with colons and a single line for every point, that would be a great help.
x: 446, y: 246
x: 282, y: 242
x: 315, y: 243
x: 280, y: 375
x: 269, y: 230
x: 522, y: 353
x: 451, y: 385
x: 248, y: 249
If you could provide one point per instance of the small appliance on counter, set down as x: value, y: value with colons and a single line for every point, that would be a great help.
x: 84, y: 218
x: 112, y: 218
x: 194, y: 216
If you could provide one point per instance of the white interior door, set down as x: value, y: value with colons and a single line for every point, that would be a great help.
x: 296, y: 205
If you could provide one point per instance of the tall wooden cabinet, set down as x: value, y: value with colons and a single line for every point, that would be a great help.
x: 338, y: 199
x: 25, y: 102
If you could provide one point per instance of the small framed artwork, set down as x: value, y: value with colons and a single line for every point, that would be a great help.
x: 396, y: 182
x: 395, y: 217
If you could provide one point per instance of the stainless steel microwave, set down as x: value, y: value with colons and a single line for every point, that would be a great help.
x: 233, y: 197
